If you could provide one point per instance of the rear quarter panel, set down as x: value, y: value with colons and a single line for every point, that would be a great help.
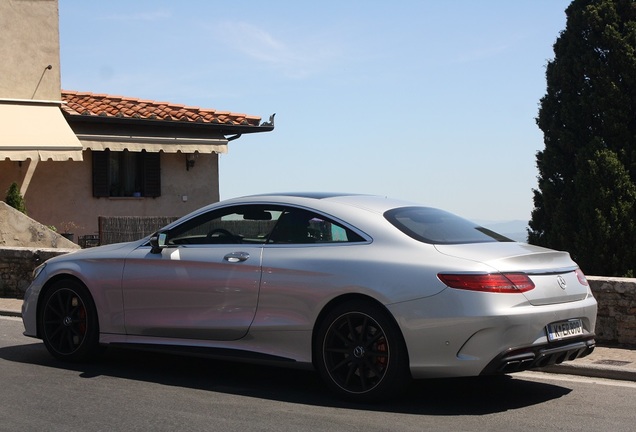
x: 297, y: 282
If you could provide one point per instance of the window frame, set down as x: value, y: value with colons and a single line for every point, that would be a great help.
x: 201, y: 219
x: 473, y: 232
x: 148, y: 169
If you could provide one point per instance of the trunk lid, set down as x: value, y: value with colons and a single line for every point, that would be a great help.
x: 553, y: 272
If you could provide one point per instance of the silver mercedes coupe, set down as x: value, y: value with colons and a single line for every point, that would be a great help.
x: 369, y: 291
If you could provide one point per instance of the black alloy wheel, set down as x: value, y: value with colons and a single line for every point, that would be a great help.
x: 361, y: 352
x: 68, y: 321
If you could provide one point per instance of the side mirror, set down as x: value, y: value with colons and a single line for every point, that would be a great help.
x: 158, y: 242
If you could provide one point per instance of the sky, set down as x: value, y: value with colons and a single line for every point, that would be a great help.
x: 429, y: 101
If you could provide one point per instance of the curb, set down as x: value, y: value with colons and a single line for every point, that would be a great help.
x: 10, y: 313
x: 592, y: 371
x: 11, y: 307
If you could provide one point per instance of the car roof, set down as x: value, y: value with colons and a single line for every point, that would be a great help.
x: 373, y: 203
x: 315, y: 195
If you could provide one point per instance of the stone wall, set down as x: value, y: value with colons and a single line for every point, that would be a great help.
x: 616, y: 318
x: 615, y: 325
x: 17, y: 264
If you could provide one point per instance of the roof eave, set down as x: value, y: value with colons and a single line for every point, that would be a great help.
x: 222, y: 128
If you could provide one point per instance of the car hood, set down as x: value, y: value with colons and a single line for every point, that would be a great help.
x: 116, y: 250
x: 552, y: 272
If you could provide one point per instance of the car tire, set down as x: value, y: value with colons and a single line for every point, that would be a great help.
x: 68, y: 321
x: 360, y: 352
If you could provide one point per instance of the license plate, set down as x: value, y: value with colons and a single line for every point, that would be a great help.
x: 565, y: 329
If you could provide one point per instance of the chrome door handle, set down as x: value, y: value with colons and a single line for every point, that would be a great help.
x: 236, y: 257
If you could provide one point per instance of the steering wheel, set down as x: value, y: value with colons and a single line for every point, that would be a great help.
x: 221, y: 233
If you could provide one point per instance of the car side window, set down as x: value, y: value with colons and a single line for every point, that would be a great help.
x: 240, y: 224
x: 298, y: 226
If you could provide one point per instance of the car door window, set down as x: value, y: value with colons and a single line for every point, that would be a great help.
x: 298, y: 226
x: 241, y: 224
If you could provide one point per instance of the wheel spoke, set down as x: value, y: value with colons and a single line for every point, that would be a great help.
x: 350, y: 373
x: 59, y: 338
x: 362, y: 334
x: 58, y: 300
x: 372, y: 367
x: 69, y: 340
x: 373, y: 339
x: 346, y: 340
x: 51, y: 310
x: 363, y: 377
x: 56, y: 330
x: 352, y: 330
x: 335, y: 350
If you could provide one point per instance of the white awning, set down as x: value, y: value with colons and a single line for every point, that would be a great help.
x: 36, y: 130
x: 153, y: 144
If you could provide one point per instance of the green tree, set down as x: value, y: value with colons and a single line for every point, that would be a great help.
x: 586, y: 195
x: 14, y: 198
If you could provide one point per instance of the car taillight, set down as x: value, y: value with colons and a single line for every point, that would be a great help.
x: 581, y: 277
x: 491, y: 282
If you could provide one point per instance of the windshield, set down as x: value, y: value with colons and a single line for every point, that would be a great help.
x: 435, y: 226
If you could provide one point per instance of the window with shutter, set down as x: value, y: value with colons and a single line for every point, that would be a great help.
x: 126, y: 174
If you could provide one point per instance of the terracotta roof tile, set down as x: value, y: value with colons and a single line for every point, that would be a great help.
x: 103, y: 105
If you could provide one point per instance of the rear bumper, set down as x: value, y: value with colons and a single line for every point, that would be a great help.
x: 458, y: 333
x: 538, y: 356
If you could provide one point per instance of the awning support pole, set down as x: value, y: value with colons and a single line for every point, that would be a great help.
x: 28, y: 176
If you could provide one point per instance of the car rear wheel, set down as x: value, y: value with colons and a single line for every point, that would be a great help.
x: 360, y: 352
x: 68, y: 320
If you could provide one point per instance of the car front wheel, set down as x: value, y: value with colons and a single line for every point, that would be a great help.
x: 68, y: 320
x: 360, y: 352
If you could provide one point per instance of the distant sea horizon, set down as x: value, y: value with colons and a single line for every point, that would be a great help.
x: 514, y: 229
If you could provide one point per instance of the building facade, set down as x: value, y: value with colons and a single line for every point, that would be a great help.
x: 78, y: 155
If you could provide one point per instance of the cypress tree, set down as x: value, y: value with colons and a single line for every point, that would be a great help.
x: 586, y: 196
x: 14, y: 198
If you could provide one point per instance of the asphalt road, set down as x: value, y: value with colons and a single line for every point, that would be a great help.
x: 133, y: 391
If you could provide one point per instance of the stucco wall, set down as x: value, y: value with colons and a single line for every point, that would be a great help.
x: 61, y: 192
x: 18, y: 230
x: 29, y: 42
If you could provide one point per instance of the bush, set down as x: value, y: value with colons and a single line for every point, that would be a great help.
x: 14, y: 198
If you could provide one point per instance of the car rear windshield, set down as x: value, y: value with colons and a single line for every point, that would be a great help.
x: 436, y: 226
